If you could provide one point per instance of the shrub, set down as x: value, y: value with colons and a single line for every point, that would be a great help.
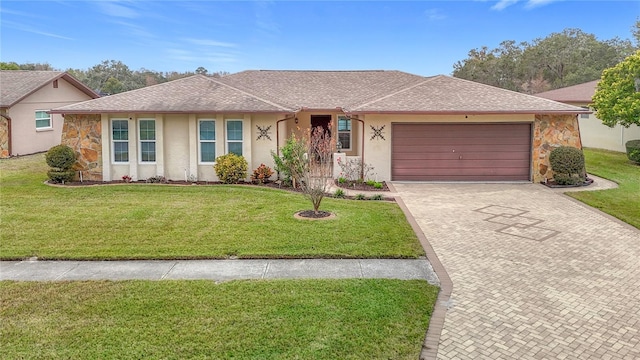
x: 339, y: 193
x: 342, y: 180
x: 376, y: 197
x: 61, y: 176
x: 633, y: 150
x: 61, y: 159
x: 567, y: 164
x: 371, y: 182
x: 126, y: 178
x: 378, y: 185
x: 285, y: 161
x: 230, y: 168
x: 262, y: 174
x: 158, y: 179
x: 354, y: 169
x: 360, y: 197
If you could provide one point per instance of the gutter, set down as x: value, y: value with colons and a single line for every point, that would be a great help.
x: 475, y: 112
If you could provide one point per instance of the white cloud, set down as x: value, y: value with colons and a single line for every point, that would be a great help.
x: 535, y: 3
x: 207, y: 42
x: 435, y: 14
x: 502, y: 4
x: 30, y: 29
x: 117, y: 10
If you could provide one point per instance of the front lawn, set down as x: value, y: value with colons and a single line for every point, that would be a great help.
x: 623, y: 202
x: 167, y: 222
x: 279, y: 319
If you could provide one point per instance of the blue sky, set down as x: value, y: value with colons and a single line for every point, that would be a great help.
x: 421, y: 37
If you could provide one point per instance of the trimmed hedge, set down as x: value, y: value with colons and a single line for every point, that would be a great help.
x: 567, y: 164
x: 633, y: 150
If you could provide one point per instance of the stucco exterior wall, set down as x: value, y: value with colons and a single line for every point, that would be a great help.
x: 377, y: 134
x: 83, y: 133
x: 596, y: 135
x: 25, y: 138
x: 550, y: 132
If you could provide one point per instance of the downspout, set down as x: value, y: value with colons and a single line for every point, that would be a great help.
x: 8, y: 133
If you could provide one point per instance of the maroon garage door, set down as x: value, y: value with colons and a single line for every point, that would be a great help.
x: 460, y: 152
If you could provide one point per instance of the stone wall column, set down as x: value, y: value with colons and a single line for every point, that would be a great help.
x: 550, y: 132
x: 83, y: 133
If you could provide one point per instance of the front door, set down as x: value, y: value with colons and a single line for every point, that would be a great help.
x: 320, y: 120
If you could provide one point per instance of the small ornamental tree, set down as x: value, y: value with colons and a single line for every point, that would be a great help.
x: 617, y: 98
x: 309, y: 162
x: 61, y: 159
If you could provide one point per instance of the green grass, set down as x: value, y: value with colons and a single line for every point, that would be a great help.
x: 623, y: 202
x: 281, y: 319
x: 167, y: 222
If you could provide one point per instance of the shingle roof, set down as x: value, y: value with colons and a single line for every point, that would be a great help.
x: 444, y: 94
x: 196, y: 93
x: 581, y: 93
x: 349, y: 91
x: 15, y: 85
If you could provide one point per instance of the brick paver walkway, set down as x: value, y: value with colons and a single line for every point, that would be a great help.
x: 535, y: 274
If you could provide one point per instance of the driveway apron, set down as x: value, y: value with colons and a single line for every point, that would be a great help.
x: 536, y: 275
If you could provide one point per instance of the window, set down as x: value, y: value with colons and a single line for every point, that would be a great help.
x: 120, y: 137
x: 234, y: 137
x: 43, y: 120
x: 344, y: 132
x: 147, y: 140
x: 207, y: 136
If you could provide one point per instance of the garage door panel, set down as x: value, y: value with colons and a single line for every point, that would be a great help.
x: 505, y: 155
x: 461, y: 152
x: 462, y: 164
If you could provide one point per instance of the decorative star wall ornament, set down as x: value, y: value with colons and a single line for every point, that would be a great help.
x: 377, y: 132
x: 264, y: 132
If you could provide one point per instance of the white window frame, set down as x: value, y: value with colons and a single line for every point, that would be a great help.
x: 153, y: 141
x: 200, y: 141
x: 350, y: 132
x: 48, y: 127
x: 241, y: 141
x: 114, y: 141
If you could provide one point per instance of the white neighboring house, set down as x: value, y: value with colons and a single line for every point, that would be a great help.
x: 592, y: 132
x: 26, y: 126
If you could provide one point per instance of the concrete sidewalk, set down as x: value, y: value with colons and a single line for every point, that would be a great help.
x: 219, y: 270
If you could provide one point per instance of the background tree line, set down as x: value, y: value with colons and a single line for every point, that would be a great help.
x: 561, y: 59
x: 112, y: 77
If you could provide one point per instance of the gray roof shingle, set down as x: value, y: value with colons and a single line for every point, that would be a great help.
x: 350, y: 91
x: 15, y: 85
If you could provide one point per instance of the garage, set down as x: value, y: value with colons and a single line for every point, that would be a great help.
x: 461, y: 152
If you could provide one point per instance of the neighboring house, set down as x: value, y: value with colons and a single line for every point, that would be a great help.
x: 593, y: 133
x: 407, y: 126
x: 26, y: 97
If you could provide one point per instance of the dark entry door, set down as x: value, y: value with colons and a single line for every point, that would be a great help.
x: 320, y: 120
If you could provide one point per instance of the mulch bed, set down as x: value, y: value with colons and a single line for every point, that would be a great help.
x: 552, y: 184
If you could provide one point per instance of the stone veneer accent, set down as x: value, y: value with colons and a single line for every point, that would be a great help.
x: 550, y: 132
x: 83, y: 133
x: 4, y: 137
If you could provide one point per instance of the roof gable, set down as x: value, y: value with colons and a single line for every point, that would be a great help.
x: 321, y: 89
x: 16, y: 85
x: 445, y: 94
x: 581, y: 93
x: 196, y: 93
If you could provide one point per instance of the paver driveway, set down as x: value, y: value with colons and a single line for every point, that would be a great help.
x: 535, y: 274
